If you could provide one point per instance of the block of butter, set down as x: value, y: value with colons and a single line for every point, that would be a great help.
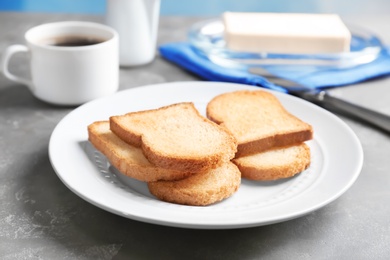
x: 289, y: 33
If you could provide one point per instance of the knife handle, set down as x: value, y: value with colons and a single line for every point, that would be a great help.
x: 375, y: 118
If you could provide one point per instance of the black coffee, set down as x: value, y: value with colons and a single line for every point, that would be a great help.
x: 72, y: 41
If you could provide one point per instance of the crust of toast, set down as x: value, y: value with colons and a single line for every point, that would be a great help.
x: 257, y: 120
x: 275, y: 164
x: 127, y: 159
x: 176, y: 137
x: 200, y: 189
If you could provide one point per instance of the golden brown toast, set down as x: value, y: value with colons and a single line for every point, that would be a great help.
x: 257, y: 120
x: 186, y: 158
x: 274, y: 164
x: 128, y: 160
x: 200, y: 189
x: 176, y: 137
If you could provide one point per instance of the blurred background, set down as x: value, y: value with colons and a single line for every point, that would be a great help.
x: 207, y: 7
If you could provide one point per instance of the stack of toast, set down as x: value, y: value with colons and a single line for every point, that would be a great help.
x: 188, y: 159
x: 184, y: 157
x: 271, y: 141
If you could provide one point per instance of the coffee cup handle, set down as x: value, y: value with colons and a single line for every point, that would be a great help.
x: 11, y: 50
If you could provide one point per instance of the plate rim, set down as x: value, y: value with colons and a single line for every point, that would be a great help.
x: 203, y: 225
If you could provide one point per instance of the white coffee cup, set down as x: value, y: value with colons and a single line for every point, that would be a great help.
x: 136, y: 22
x: 71, y: 62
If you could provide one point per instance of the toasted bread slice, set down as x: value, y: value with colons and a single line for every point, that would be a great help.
x: 200, y: 189
x: 176, y: 137
x: 128, y: 159
x: 275, y: 164
x: 257, y: 120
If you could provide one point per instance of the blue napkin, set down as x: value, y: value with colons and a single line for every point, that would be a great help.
x: 184, y: 55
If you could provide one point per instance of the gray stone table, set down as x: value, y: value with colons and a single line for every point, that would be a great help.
x: 40, y: 218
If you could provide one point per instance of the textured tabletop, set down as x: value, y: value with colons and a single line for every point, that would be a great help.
x: 40, y: 218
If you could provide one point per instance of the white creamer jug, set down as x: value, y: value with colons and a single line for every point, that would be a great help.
x: 136, y: 22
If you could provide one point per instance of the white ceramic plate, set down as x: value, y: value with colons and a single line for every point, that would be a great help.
x: 336, y: 163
